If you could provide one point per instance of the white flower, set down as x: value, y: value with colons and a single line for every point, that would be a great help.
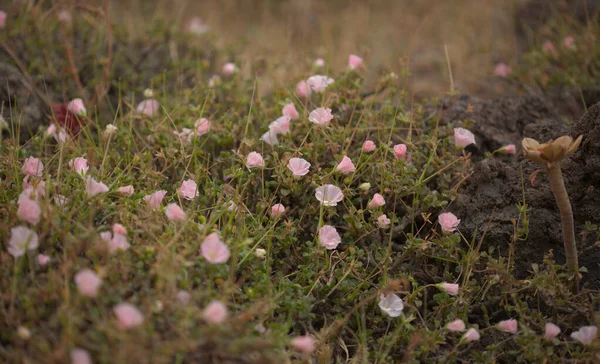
x: 319, y: 83
x: 110, y: 129
x: 585, y: 335
x: 269, y: 138
x: 329, y: 195
x: 391, y: 304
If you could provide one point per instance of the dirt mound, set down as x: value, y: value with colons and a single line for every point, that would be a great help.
x: 497, y: 186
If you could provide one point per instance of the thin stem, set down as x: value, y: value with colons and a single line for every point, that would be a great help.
x: 566, y: 217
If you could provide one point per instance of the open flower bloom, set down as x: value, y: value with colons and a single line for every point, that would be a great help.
x: 42, y: 259
x: 463, y: 137
x: 298, y: 166
x: 329, y: 237
x: 94, y: 188
x: 368, y: 146
x: 87, y: 282
x: 185, y: 135
x: 383, y: 221
x: 202, y: 126
x: 376, y: 201
x: 346, y: 166
x: 400, y: 151
x: 277, y: 209
x: 302, y: 89
x: 270, y: 137
x: 80, y: 356
x: 551, y: 152
x: 321, y: 116
x: 448, y: 221
x: 215, y: 313
x: 214, y: 250
x: 79, y: 165
x: 115, y: 242
x: 254, y: 160
x: 471, y: 335
x: 290, y: 111
x: 155, y: 199
x: 319, y: 83
x: 304, y: 344
x: 76, y: 107
x: 188, y: 189
x: 28, y: 209
x: 148, y: 107
x: 128, y: 316
x: 32, y: 191
x: 449, y: 288
x: 510, y: 326
x: 551, y: 331
x: 281, y: 125
x: 319, y: 62
x: 329, y: 195
x: 229, y: 69
x: 174, y: 212
x: 502, y: 70
x: 21, y: 239
x: 119, y: 229
x: 354, y: 61
x: 126, y: 190
x: 391, y: 304
x: 585, y: 335
x: 33, y: 167
x: 456, y: 326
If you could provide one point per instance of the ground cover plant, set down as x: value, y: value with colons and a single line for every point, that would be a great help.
x: 164, y: 207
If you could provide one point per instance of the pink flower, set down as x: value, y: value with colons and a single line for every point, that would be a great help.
x: 456, y: 326
x: 30, y: 190
x: 148, y: 107
x: 449, y: 288
x: 64, y: 16
x: 383, y: 221
x: 183, y: 297
x: 116, y: 243
x: 320, y: 116
x: 277, y: 209
x: 302, y: 89
x: 33, y: 167
x: 329, y: 195
x: 510, y: 149
x: 329, y: 237
x: 185, y: 135
x: 80, y: 356
x: 400, y: 151
x: 448, y: 221
x: 304, y: 344
x: 280, y: 126
x: 376, y: 201
x: 368, y: 146
x: 298, y: 166
x: 319, y: 83
x: 128, y: 316
x: 214, y: 250
x: 42, y: 259
x: 76, y: 107
x: 188, y: 190
x: 471, y: 335
x: 548, y: 47
x: 270, y: 137
x: 354, y: 61
x: 509, y: 326
x: 585, y: 335
x: 126, y: 190
x: 154, y: 200
x: 391, y: 304
x: 551, y: 331
x: 28, y: 209
x: 202, y: 126
x: 319, y: 62
x: 502, y: 70
x: 119, y: 229
x: 290, y: 111
x: 215, y: 313
x: 79, y: 165
x: 21, y: 238
x: 463, y: 137
x: 254, y: 160
x: 569, y: 42
x: 229, y: 69
x: 197, y: 26
x: 87, y: 282
x: 2, y: 19
x: 346, y: 166
x: 94, y: 188
x: 174, y: 212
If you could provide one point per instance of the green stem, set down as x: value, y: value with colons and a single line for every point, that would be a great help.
x: 566, y: 217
